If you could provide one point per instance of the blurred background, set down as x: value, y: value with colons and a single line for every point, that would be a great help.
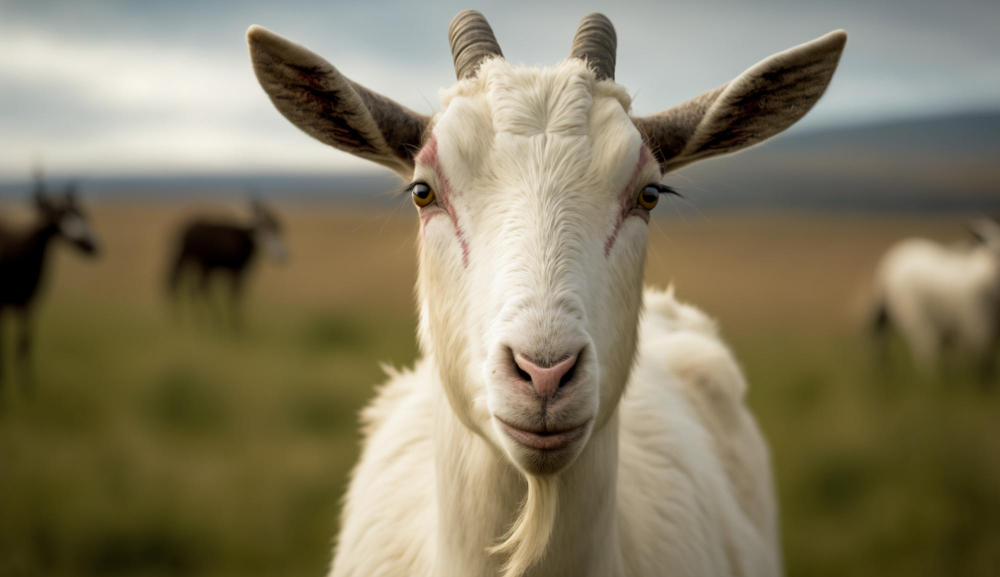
x: 162, y: 442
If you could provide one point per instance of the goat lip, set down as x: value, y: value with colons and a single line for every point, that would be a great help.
x: 543, y: 440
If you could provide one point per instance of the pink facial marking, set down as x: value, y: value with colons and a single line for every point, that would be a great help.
x: 429, y: 157
x: 625, y: 198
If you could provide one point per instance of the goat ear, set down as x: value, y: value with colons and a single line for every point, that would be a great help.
x: 328, y: 106
x: 763, y: 101
x: 41, y: 200
x: 41, y: 197
x: 70, y: 194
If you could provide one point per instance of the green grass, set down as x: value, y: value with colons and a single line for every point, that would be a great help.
x: 153, y: 449
x: 879, y: 472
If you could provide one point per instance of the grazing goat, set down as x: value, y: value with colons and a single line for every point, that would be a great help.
x: 936, y: 296
x: 22, y: 263
x: 514, y: 447
x: 209, y: 248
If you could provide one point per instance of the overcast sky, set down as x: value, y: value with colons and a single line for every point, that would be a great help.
x: 102, y: 87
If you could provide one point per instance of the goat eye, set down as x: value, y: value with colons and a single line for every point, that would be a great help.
x: 649, y: 196
x: 422, y: 194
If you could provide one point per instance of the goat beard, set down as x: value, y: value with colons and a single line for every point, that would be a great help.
x: 528, y: 538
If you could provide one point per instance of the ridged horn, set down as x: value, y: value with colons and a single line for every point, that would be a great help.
x: 471, y: 40
x: 597, y: 43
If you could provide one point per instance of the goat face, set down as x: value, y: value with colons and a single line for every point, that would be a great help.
x: 69, y: 220
x: 533, y: 192
x: 532, y: 252
x: 267, y: 232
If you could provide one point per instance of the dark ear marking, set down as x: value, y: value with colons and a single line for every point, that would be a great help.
x: 760, y: 103
x: 311, y: 91
x: 668, y: 132
x: 330, y: 107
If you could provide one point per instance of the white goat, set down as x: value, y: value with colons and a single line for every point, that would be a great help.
x: 510, y: 448
x: 936, y: 295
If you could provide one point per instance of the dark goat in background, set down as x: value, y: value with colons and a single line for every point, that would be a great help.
x: 207, y: 248
x: 22, y: 262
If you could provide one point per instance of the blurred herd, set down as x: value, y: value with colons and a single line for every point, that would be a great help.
x: 208, y: 250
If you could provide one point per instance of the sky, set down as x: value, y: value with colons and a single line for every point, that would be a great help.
x: 157, y: 88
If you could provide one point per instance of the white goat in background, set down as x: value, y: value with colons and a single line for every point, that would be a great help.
x: 936, y: 295
x: 510, y: 448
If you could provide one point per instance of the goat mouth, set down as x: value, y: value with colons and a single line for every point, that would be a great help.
x: 543, y: 440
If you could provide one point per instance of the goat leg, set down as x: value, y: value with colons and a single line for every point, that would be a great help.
x: 24, y: 353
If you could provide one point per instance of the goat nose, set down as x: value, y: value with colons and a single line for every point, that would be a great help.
x: 545, y: 380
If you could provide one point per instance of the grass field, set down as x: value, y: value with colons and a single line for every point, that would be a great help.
x: 163, y: 446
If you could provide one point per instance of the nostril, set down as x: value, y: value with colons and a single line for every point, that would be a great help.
x: 568, y: 376
x: 546, y: 380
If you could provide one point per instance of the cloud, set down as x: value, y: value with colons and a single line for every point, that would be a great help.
x: 125, y: 76
x: 94, y: 106
x: 103, y: 87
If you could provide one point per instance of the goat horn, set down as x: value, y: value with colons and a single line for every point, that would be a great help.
x: 471, y: 40
x: 597, y: 43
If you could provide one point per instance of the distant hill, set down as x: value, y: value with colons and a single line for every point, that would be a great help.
x: 946, y: 163
x: 377, y: 187
x: 931, y: 164
x: 951, y: 134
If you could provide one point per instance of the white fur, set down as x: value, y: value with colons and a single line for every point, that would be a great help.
x: 691, y: 493
x: 75, y: 228
x: 271, y: 241
x: 934, y: 294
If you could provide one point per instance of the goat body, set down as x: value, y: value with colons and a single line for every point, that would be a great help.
x: 210, y: 247
x: 23, y: 259
x: 216, y: 245
x: 936, y: 295
x: 22, y: 263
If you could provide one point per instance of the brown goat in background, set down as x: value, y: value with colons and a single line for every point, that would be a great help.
x: 22, y: 262
x: 208, y: 248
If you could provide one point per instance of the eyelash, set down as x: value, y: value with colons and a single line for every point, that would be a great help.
x: 664, y: 189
